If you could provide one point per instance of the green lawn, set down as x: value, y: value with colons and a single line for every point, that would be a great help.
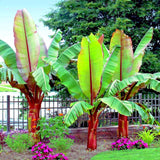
x: 7, y: 88
x: 135, y: 154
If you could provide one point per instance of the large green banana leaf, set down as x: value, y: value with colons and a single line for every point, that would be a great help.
x: 123, y: 107
x: 70, y: 53
x: 26, y: 42
x: 90, y: 66
x: 78, y: 109
x: 42, y: 79
x: 141, y: 79
x: 68, y: 80
x: 154, y: 84
x: 54, y: 48
x: 109, y: 69
x: 139, y: 52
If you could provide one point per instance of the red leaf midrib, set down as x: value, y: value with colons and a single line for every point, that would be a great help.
x: 28, y: 53
x: 90, y: 71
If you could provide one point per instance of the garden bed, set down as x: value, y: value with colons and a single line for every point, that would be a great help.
x: 77, y: 152
x: 105, y: 136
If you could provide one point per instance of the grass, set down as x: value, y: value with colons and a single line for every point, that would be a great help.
x: 134, y: 154
x: 7, y: 88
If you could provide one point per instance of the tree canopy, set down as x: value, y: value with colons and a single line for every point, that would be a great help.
x: 82, y: 17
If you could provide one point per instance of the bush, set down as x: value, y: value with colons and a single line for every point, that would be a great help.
x: 19, y: 142
x: 61, y: 144
x: 52, y: 127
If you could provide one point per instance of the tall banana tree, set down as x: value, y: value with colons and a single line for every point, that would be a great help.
x: 96, y: 67
x: 128, y: 65
x: 25, y: 68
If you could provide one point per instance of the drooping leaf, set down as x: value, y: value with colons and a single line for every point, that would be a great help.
x: 68, y: 80
x: 42, y: 79
x: 8, y: 55
x: 78, y: 109
x: 110, y: 89
x: 70, y: 53
x: 26, y: 43
x: 90, y: 66
x: 109, y: 69
x: 154, y: 85
x: 123, y: 107
x: 125, y: 55
x: 121, y: 85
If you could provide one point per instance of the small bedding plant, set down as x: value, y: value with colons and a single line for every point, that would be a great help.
x: 126, y: 143
x: 42, y: 152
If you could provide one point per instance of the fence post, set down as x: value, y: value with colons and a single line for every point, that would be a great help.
x: 140, y: 101
x: 8, y: 113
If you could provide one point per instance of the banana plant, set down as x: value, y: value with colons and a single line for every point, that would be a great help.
x: 128, y: 65
x: 25, y: 69
x: 96, y: 67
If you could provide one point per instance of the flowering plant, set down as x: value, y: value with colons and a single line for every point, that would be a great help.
x: 125, y: 143
x: 121, y: 144
x: 43, y: 152
x: 139, y: 144
x: 58, y: 156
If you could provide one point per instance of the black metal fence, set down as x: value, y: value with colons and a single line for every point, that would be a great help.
x: 14, y: 111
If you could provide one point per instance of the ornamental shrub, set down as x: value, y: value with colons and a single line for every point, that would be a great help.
x: 52, y: 127
x: 147, y: 136
x: 19, y: 142
x: 61, y: 144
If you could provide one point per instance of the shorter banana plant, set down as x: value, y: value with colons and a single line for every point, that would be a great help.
x: 128, y: 65
x: 96, y: 67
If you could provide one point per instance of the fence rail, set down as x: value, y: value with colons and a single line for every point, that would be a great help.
x: 14, y: 111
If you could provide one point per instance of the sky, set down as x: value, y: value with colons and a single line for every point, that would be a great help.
x: 37, y: 9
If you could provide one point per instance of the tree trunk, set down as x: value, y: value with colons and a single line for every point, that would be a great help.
x: 122, y: 126
x: 33, y: 118
x: 92, y: 131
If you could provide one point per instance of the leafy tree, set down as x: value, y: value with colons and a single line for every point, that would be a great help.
x: 82, y: 17
x: 147, y: 65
